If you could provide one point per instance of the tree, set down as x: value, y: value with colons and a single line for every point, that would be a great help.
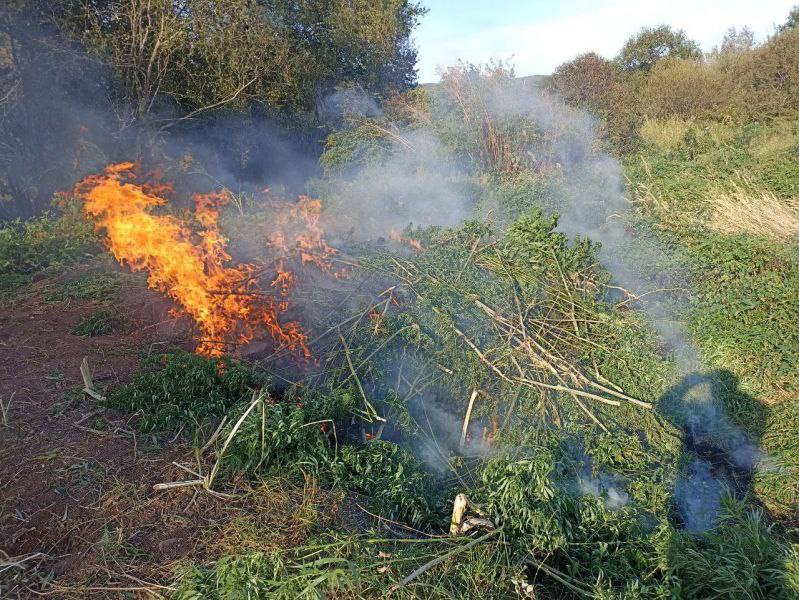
x: 284, y: 54
x: 650, y: 45
x: 588, y: 81
x: 737, y: 40
x: 352, y: 42
x: 793, y: 19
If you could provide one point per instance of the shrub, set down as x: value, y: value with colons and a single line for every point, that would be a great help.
x: 775, y: 75
x: 32, y: 245
x: 274, y: 435
x: 588, y: 81
x: 394, y: 480
x: 683, y: 89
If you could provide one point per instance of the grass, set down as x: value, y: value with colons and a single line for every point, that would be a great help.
x: 94, y: 286
x: 666, y: 134
x: 739, y: 559
x: 746, y: 291
x: 103, y: 321
x: 755, y: 212
x: 732, y: 210
x: 46, y: 241
x: 181, y: 390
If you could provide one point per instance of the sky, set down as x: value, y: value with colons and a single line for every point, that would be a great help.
x: 538, y: 35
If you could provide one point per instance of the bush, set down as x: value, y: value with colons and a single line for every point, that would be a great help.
x: 274, y: 436
x: 588, y: 81
x: 775, y: 75
x: 684, y: 89
x: 394, y: 480
x: 50, y: 240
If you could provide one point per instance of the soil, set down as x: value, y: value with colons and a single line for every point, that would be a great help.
x: 78, y: 513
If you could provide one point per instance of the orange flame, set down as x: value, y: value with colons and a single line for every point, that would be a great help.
x: 301, y: 222
x: 220, y: 299
x: 401, y: 239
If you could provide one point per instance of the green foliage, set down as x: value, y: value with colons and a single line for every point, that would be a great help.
x: 578, y: 524
x: 102, y: 321
x: 10, y: 284
x: 274, y: 436
x: 745, y: 308
x: 50, y: 240
x: 276, y: 575
x: 98, y: 287
x: 642, y: 51
x: 588, y: 81
x: 343, y: 565
x: 288, y: 55
x: 776, y: 483
x: 394, y: 480
x: 180, y: 389
x: 739, y: 558
x: 351, y: 148
x: 684, y: 89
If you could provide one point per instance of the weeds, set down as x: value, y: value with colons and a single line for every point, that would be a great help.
x: 5, y: 406
x: 99, y: 287
x: 103, y: 321
x: 740, y: 558
x: 394, y: 481
x: 49, y: 240
x: 180, y: 390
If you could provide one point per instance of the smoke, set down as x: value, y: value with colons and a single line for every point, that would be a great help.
x: 592, y: 203
x: 61, y: 132
x: 64, y: 115
x: 418, y: 182
x: 416, y: 185
x: 606, y: 487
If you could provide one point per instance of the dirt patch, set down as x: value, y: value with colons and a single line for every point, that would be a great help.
x: 71, y: 471
x: 78, y: 513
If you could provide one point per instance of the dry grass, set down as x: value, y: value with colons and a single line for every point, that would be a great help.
x: 758, y: 212
x: 666, y: 134
x: 784, y: 137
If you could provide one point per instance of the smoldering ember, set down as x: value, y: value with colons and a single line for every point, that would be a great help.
x: 285, y: 315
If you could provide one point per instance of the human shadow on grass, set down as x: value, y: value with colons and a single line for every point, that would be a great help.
x: 722, y: 428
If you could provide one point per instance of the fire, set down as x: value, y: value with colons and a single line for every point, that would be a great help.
x: 189, y: 268
x: 401, y: 239
x: 301, y: 223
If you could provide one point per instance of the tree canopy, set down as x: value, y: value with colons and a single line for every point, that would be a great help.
x: 651, y: 44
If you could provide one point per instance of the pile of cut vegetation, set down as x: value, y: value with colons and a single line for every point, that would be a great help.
x: 494, y: 413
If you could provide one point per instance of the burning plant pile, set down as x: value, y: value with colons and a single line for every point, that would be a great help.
x: 224, y: 302
x: 481, y: 375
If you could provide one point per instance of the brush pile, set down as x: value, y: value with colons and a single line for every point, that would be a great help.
x: 513, y: 322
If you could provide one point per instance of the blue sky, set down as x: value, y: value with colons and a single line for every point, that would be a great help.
x: 538, y: 35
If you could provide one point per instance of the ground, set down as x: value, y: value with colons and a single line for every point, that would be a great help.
x: 77, y: 505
